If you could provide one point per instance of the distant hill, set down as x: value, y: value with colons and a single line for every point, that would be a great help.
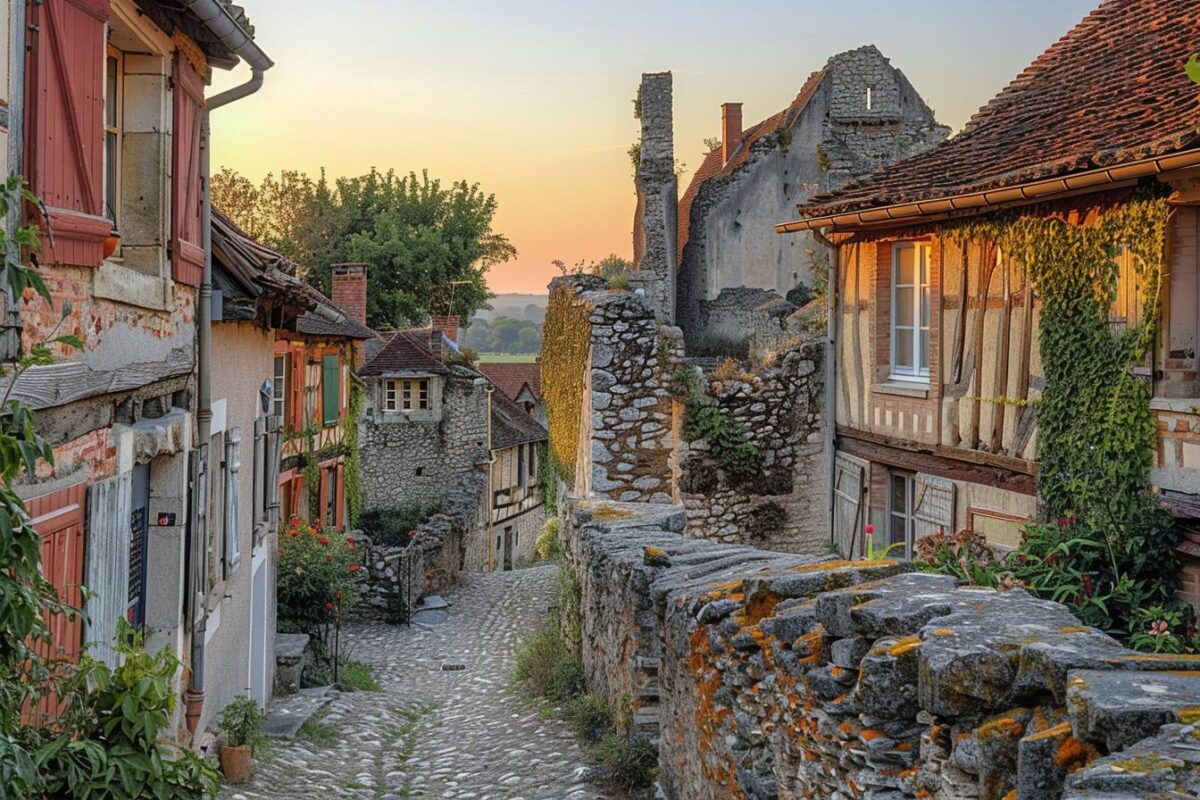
x: 530, y: 307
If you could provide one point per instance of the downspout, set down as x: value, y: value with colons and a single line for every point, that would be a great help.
x: 831, y: 335
x: 215, y: 16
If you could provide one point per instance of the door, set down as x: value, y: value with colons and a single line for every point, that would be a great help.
x: 848, y: 522
x: 901, y: 519
x: 139, y: 540
x: 258, y: 628
x: 508, y: 547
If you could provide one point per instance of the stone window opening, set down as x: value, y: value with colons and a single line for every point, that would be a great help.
x: 870, y: 98
x: 406, y: 395
x: 910, y: 316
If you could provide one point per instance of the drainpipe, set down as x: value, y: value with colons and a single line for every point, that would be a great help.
x: 831, y: 334
x: 215, y: 16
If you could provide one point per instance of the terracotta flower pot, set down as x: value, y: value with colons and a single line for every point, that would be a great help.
x: 236, y: 763
x: 111, y: 242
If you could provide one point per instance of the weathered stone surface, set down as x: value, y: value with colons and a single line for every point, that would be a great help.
x: 1165, y: 766
x: 1116, y: 709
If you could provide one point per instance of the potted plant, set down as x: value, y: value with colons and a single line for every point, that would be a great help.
x: 241, y: 722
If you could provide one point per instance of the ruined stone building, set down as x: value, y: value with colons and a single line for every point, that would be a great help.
x: 855, y: 114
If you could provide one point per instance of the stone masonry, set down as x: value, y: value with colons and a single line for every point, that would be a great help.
x: 657, y: 192
x: 783, y: 508
x: 764, y: 675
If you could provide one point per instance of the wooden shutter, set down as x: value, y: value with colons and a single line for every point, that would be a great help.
x: 933, y: 505
x: 233, y: 466
x: 65, y: 125
x: 187, y: 244
x: 331, y: 389
x: 296, y: 376
x: 848, y: 521
x: 200, y: 499
x: 109, y: 508
x: 274, y: 459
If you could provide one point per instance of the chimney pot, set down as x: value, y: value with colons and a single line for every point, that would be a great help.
x: 731, y: 129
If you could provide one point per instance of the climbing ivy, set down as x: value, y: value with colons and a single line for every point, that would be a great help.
x: 566, y: 335
x: 704, y: 418
x: 353, y: 460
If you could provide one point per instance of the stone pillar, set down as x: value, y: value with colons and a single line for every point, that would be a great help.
x: 657, y: 197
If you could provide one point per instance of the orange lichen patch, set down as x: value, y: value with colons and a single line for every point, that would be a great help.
x: 923, y: 793
x: 607, y: 512
x: 1057, y: 731
x: 905, y: 645
x: 759, y: 606
x: 828, y: 565
x: 1189, y: 715
x: 1072, y: 753
x: 903, y: 747
x: 869, y: 735
x: 1011, y: 795
x: 943, y: 632
x: 1184, y: 673
x: 654, y: 552
x: 1005, y: 725
x: 1144, y: 658
x: 1076, y: 629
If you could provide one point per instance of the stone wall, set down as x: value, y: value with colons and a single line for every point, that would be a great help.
x: 657, y: 213
x: 766, y: 675
x: 412, y: 459
x: 783, y: 508
x: 451, y: 541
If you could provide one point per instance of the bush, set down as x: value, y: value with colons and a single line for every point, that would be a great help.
x: 589, y: 717
x: 242, y: 722
x: 549, y: 543
x: 546, y: 667
x: 317, y: 584
x: 392, y: 526
x: 629, y: 762
x: 965, y: 555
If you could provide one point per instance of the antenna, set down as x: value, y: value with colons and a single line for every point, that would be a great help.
x: 452, y: 285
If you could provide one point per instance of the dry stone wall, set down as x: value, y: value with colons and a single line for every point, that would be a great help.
x: 782, y: 410
x: 765, y: 675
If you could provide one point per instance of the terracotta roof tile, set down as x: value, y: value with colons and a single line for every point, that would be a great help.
x: 511, y: 378
x: 407, y: 351
x: 712, y: 166
x: 1112, y: 90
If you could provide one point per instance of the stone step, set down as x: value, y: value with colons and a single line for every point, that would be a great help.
x: 647, y: 664
x: 646, y: 719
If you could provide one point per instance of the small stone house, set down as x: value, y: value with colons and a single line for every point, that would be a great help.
x: 855, y: 114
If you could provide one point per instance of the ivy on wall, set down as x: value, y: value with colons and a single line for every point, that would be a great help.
x: 352, y: 465
x: 566, y: 337
x: 704, y: 418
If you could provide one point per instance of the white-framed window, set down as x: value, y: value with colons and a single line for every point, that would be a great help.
x: 910, y: 312
x: 406, y: 394
x: 233, y: 466
x: 114, y: 91
x: 279, y: 386
x: 901, y: 517
x: 870, y: 98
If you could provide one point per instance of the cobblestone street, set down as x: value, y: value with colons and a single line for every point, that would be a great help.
x: 433, y: 733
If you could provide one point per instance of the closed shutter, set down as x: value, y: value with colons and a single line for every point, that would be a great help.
x: 295, y: 420
x: 109, y: 506
x: 65, y: 124
x: 340, y: 501
x: 198, y: 583
x: 274, y: 447
x: 233, y: 466
x: 187, y: 244
x: 331, y: 389
x: 848, y: 522
x: 933, y: 505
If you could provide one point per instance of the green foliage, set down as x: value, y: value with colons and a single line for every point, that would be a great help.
x: 619, y: 283
x: 550, y: 543
x: 104, y: 746
x: 416, y: 235
x: 565, y: 354
x: 546, y: 668
x: 318, y: 576
x: 704, y: 418
x: 965, y: 555
x: 355, y: 676
x: 504, y: 335
x: 393, y: 527
x: 321, y: 734
x: 550, y: 472
x: 1162, y: 630
x: 630, y: 762
x: 568, y: 607
x: 242, y: 722
x: 352, y: 463
x: 1193, y: 67
x: 589, y: 716
x: 822, y: 159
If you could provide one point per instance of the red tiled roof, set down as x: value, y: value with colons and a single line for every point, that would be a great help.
x: 407, y: 351
x: 511, y: 426
x: 1112, y: 90
x: 511, y: 378
x: 713, y: 167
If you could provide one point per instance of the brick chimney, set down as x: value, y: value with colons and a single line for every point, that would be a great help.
x: 435, y: 342
x: 447, y: 325
x: 731, y: 129
x: 348, y: 290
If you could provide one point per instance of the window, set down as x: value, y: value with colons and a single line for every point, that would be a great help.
x: 870, y: 98
x: 214, y: 567
x: 910, y: 312
x: 409, y: 394
x: 267, y: 445
x: 331, y: 389
x: 279, y: 386
x: 113, y: 96
x: 233, y: 466
x: 900, y: 510
x: 331, y: 484
x: 521, y: 465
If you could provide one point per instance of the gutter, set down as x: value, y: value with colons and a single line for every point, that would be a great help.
x: 1092, y: 180
x: 216, y: 17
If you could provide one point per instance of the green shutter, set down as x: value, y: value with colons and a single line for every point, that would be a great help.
x: 331, y: 389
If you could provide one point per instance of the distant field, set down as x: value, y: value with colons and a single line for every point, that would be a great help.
x: 507, y: 358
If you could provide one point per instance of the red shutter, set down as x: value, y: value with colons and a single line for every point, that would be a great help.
x: 187, y: 243
x: 340, y: 503
x: 65, y: 129
x: 298, y: 378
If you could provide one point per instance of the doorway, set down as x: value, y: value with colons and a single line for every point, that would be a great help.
x: 508, y: 547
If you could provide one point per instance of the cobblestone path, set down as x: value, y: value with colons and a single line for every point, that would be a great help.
x: 436, y: 734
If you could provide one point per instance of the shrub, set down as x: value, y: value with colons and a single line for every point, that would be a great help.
x: 242, y: 722
x: 549, y: 543
x: 392, y: 526
x: 546, y: 667
x: 964, y: 554
x: 619, y: 283
x: 589, y: 717
x: 629, y: 762
x: 317, y: 584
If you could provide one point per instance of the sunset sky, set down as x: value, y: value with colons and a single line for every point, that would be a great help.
x: 532, y: 100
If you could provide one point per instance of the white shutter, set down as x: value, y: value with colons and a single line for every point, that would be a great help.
x: 274, y: 452
x: 199, y: 507
x: 260, y: 442
x: 848, y: 487
x: 107, y: 574
x: 933, y: 505
x: 233, y: 465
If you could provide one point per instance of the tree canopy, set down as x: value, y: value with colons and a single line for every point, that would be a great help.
x: 426, y: 245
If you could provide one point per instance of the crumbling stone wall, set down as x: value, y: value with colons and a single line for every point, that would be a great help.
x: 657, y: 212
x: 767, y: 675
x: 781, y: 407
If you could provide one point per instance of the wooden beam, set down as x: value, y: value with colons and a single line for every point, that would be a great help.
x: 944, y: 462
x: 1000, y: 413
x: 985, y: 287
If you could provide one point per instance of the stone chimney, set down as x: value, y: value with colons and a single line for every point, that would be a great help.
x: 348, y: 290
x: 447, y: 325
x: 657, y: 209
x: 731, y: 130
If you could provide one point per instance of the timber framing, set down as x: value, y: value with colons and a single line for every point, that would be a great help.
x: 989, y: 469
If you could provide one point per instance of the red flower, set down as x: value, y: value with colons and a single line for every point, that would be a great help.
x: 294, y: 532
x: 870, y: 529
x: 323, y: 540
x: 350, y: 540
x: 329, y: 606
x: 354, y: 567
x: 1022, y: 558
x: 294, y: 520
x: 412, y: 534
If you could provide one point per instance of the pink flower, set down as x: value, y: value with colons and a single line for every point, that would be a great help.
x: 1159, y: 628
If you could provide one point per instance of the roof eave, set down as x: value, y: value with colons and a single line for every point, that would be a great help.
x: 978, y: 202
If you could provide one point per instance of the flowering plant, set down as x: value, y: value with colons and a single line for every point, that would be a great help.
x: 318, y: 576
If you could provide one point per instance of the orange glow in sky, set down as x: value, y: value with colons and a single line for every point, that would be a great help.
x: 533, y: 100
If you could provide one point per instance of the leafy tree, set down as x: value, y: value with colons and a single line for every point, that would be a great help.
x: 428, y: 246
x: 1193, y: 67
